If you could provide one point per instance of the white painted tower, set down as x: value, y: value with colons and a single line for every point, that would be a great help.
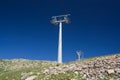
x: 60, y: 44
x: 59, y: 20
x: 79, y: 54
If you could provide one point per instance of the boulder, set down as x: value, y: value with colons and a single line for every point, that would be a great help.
x: 110, y: 71
x: 31, y: 78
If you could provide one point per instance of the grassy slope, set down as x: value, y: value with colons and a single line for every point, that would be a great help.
x: 12, y: 69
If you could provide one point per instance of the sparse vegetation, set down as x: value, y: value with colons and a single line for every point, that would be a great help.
x: 98, y: 68
x: 65, y: 76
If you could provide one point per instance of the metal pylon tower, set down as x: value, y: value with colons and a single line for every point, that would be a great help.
x: 58, y: 20
x: 79, y: 54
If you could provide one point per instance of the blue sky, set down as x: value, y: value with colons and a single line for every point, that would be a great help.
x: 26, y: 32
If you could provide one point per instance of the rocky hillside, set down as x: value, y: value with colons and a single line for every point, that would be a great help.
x: 98, y: 68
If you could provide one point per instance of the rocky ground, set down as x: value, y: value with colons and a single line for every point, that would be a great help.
x: 98, y: 68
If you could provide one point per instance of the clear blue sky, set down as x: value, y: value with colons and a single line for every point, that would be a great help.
x: 26, y: 32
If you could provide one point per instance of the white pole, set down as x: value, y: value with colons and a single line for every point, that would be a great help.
x: 78, y: 57
x: 60, y: 44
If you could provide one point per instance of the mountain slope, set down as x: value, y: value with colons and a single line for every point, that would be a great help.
x: 98, y: 68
